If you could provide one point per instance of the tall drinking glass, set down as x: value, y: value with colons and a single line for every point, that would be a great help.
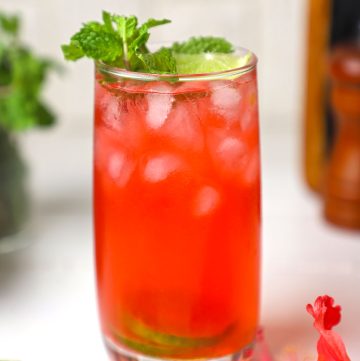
x: 177, y: 212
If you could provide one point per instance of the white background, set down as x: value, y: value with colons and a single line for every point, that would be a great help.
x: 47, y: 292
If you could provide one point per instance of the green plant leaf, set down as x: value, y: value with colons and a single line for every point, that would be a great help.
x: 22, y: 77
x: 9, y: 24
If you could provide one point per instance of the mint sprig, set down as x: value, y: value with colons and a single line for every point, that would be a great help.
x: 118, y: 41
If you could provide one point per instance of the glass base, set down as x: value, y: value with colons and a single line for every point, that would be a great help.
x: 119, y: 353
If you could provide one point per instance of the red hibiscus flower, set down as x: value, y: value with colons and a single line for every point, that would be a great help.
x: 330, y: 346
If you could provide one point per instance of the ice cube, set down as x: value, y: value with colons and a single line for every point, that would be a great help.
x: 231, y: 152
x: 226, y: 101
x: 111, y: 110
x: 237, y: 160
x: 183, y: 126
x: 159, y: 105
x: 206, y: 201
x: 160, y: 167
x: 229, y: 155
x: 120, y: 168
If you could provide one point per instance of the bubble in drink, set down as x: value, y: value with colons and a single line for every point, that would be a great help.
x: 160, y: 167
x: 206, y: 201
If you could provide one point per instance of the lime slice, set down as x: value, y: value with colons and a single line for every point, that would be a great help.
x: 209, y: 62
x: 145, y: 339
x: 146, y: 332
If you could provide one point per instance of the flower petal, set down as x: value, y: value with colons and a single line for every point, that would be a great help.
x: 325, y: 313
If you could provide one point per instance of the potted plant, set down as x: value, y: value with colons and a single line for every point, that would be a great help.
x: 22, y: 76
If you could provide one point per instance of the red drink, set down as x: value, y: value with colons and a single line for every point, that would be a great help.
x: 177, y: 214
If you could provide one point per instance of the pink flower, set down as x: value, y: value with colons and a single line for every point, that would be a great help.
x: 330, y: 346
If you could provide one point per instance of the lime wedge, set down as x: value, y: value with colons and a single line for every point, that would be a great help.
x: 209, y: 62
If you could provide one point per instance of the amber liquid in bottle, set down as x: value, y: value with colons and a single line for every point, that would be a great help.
x: 315, y: 92
x: 330, y: 23
x: 342, y: 181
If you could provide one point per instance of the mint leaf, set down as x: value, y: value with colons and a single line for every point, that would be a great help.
x: 126, y: 26
x: 161, y: 61
x: 151, y: 23
x: 134, y: 39
x: 139, y: 42
x: 72, y: 51
x: 94, y: 41
x: 203, y: 44
x: 143, y: 34
x: 107, y: 21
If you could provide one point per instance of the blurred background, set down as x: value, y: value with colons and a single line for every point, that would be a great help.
x: 47, y: 292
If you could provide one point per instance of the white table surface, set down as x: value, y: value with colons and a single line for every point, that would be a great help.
x: 47, y: 292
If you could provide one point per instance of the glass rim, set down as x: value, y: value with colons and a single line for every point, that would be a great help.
x: 134, y: 75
